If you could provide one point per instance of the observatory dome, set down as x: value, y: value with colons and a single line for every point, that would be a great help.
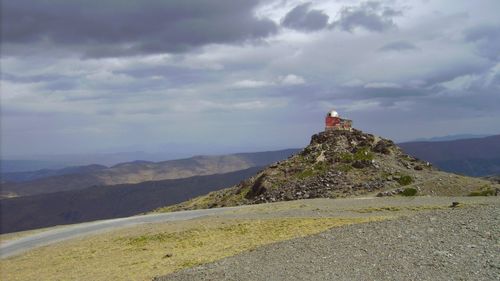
x: 333, y: 113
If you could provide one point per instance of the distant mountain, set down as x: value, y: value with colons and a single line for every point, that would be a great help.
x: 45, y: 173
x: 11, y: 166
x: 103, y: 202
x: 472, y: 157
x: 134, y: 172
x: 342, y: 164
x: 25, y: 163
x: 451, y: 137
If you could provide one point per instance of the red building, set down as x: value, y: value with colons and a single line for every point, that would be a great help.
x: 334, y: 122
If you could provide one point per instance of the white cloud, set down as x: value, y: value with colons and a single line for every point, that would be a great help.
x: 377, y: 85
x: 286, y: 80
x: 292, y: 79
x: 245, y: 84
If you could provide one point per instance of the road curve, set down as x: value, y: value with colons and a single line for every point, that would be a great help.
x: 21, y: 245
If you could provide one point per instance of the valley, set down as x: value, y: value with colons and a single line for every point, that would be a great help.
x: 104, y: 202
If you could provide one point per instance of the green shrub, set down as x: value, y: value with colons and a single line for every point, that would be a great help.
x: 405, y: 180
x: 305, y: 174
x: 363, y: 153
x: 344, y: 168
x: 409, y: 191
x: 321, y: 167
x: 486, y: 190
x: 346, y: 157
x: 318, y: 169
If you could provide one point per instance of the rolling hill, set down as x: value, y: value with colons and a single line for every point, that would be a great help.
x: 75, y: 178
x: 45, y: 173
x: 103, y: 202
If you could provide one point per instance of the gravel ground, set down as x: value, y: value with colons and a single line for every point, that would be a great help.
x: 454, y: 244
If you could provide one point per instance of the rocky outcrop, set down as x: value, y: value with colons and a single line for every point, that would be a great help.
x: 338, y: 163
x: 335, y: 164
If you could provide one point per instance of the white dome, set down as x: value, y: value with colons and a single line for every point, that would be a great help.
x: 333, y: 113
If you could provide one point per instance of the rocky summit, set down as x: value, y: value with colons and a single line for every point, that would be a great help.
x: 342, y: 163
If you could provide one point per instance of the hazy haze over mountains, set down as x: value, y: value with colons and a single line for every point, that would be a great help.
x: 134, y: 172
x: 451, y: 137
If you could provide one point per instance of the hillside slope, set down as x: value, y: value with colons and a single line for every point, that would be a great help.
x: 341, y: 164
x: 140, y: 171
x: 472, y: 157
x: 105, y: 202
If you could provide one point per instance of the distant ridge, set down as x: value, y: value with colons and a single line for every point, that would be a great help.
x: 47, y: 181
x: 104, y: 202
x: 472, y: 157
x: 450, y: 138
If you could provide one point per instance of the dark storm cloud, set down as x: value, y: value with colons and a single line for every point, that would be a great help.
x: 487, y: 40
x: 372, y: 16
x: 115, y: 27
x: 305, y: 19
x: 398, y: 46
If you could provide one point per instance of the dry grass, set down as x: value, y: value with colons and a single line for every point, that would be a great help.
x: 140, y: 253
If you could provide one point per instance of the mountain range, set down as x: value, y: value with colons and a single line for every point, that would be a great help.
x: 104, y: 202
x: 472, y: 157
x: 344, y: 164
x: 73, y: 178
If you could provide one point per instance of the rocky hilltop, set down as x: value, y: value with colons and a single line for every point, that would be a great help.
x: 342, y: 163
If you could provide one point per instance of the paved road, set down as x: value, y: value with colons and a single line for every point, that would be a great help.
x: 18, y: 246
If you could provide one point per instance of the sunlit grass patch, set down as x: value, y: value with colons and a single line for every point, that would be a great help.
x: 485, y: 190
x: 203, y: 245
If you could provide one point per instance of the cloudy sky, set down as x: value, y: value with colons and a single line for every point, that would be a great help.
x: 220, y: 76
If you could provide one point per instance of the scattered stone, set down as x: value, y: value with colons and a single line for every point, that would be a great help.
x: 360, y: 164
x: 383, y: 146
